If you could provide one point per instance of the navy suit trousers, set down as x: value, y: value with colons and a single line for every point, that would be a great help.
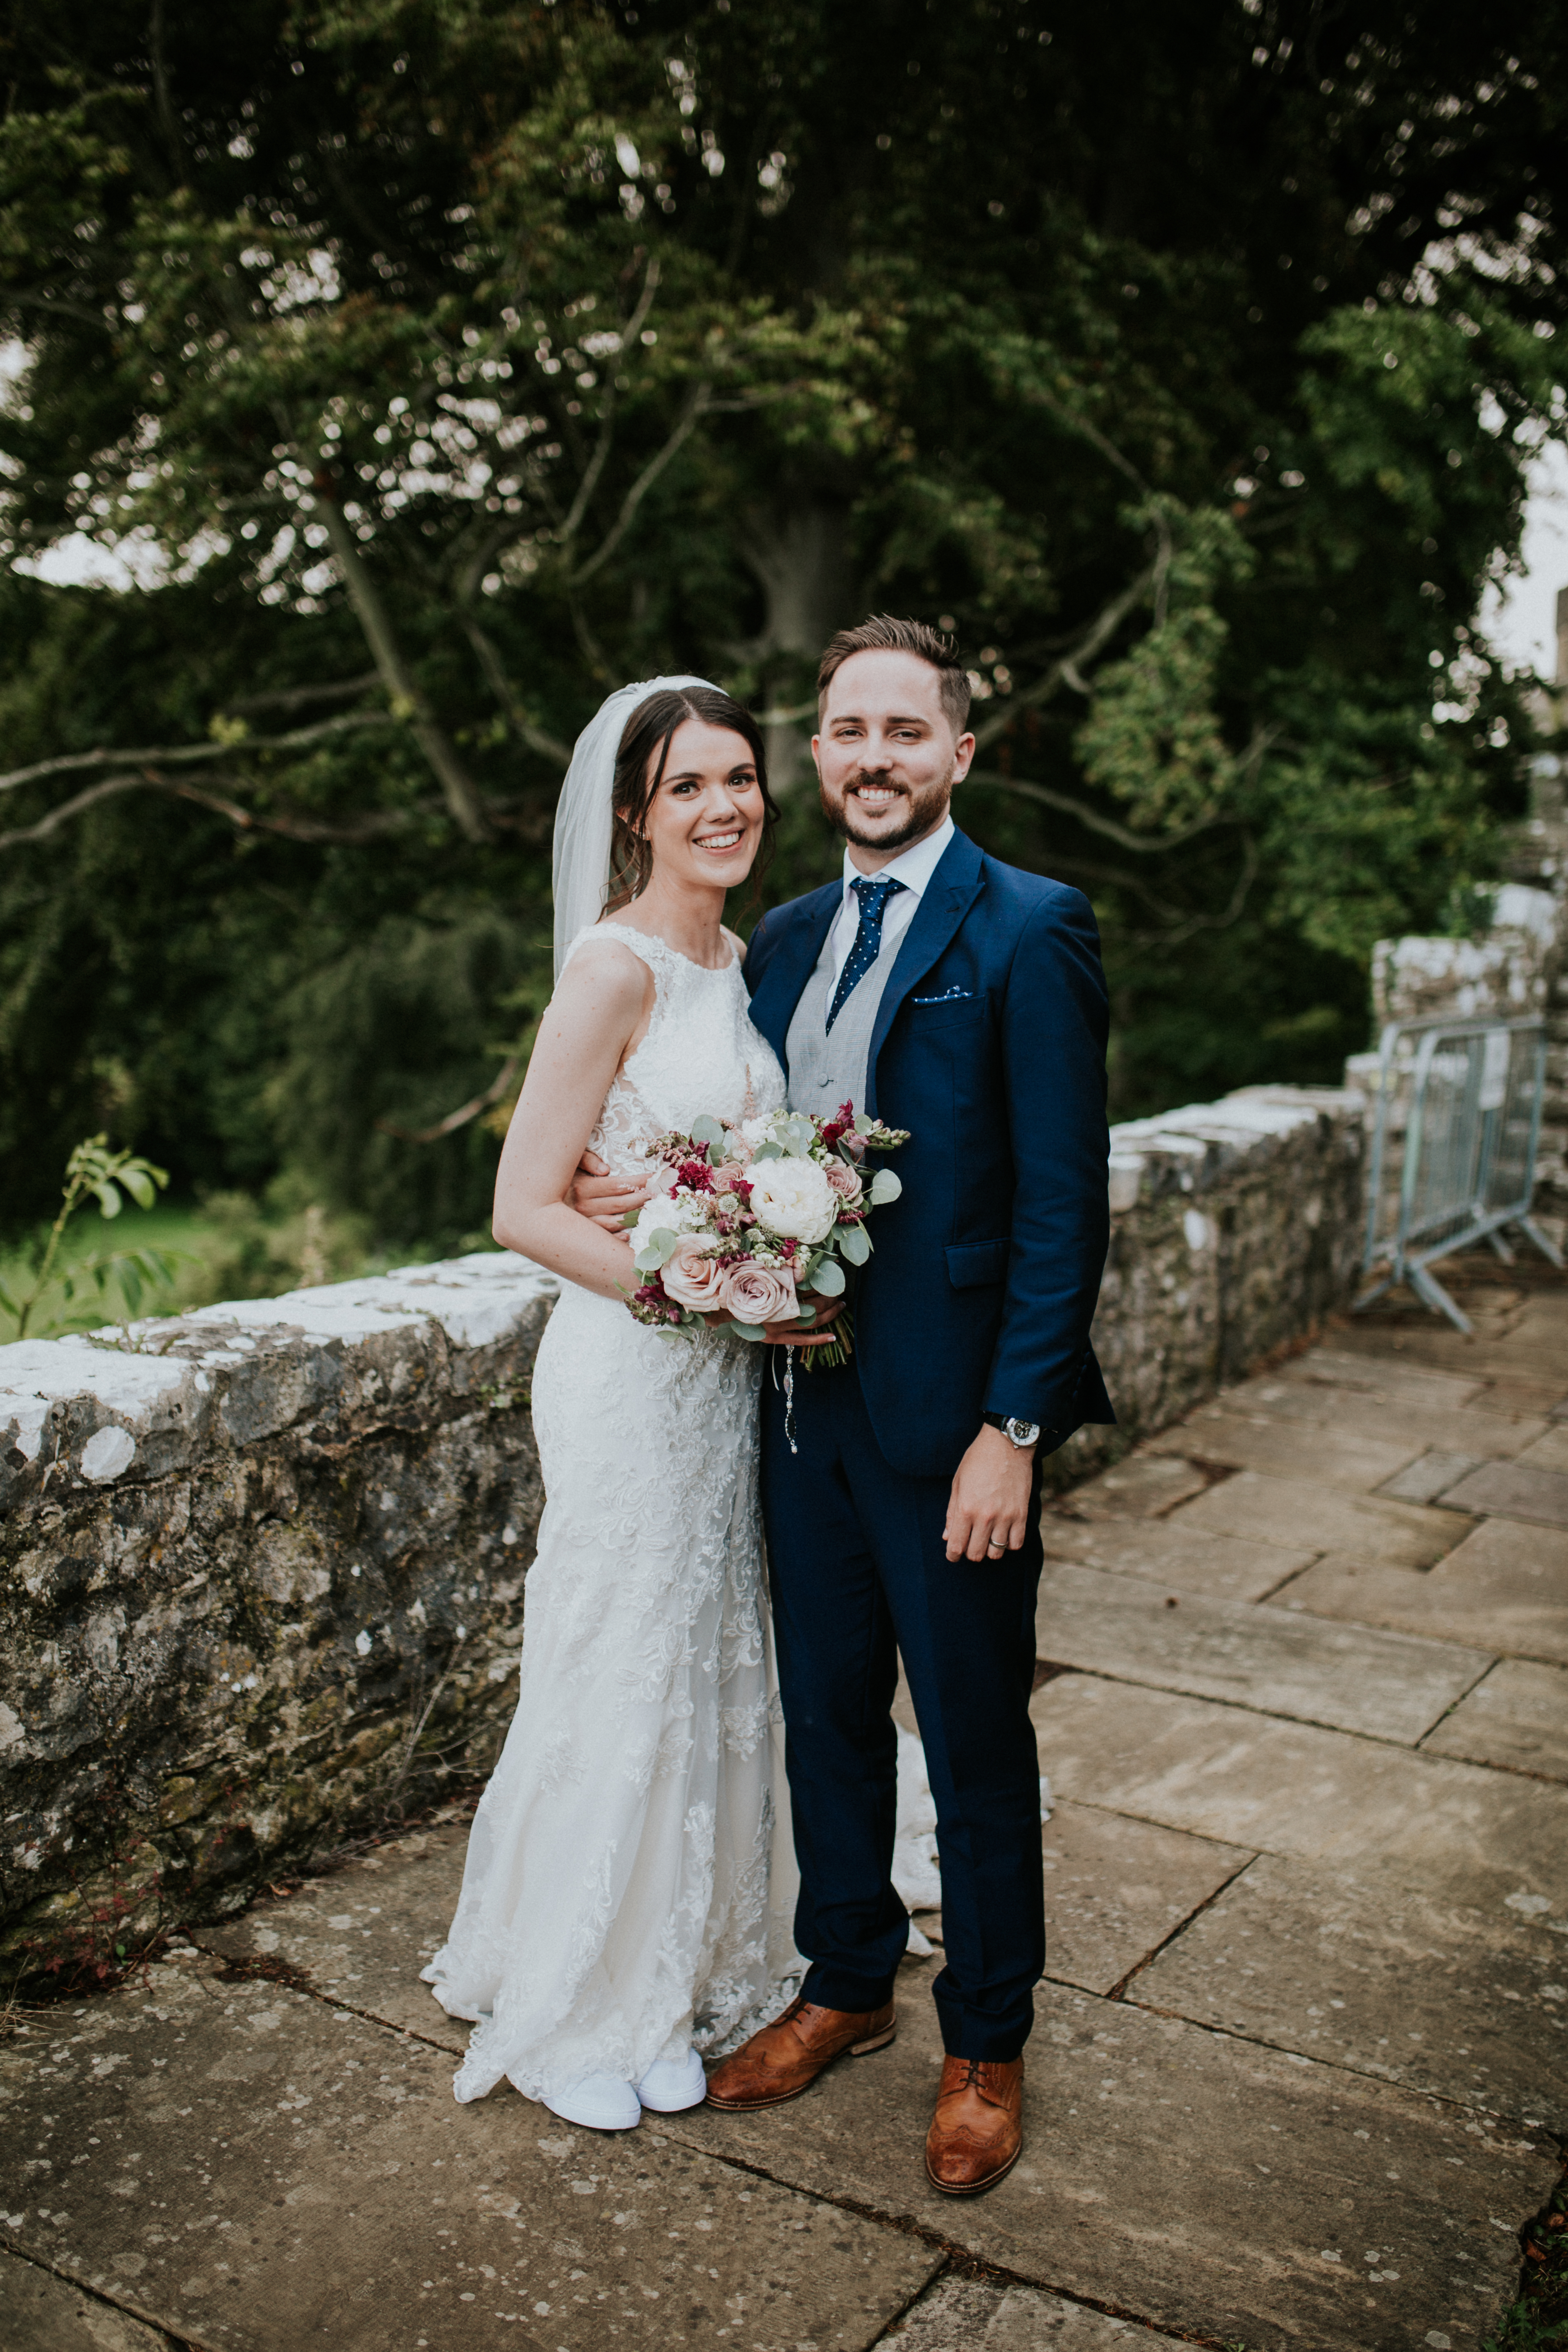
x: 860, y: 1573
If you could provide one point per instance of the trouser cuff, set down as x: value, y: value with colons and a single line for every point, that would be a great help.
x: 834, y: 1988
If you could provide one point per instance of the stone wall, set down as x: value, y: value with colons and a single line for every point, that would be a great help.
x: 261, y: 1571
x: 260, y: 1578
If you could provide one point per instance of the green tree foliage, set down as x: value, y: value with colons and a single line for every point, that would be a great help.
x: 454, y: 361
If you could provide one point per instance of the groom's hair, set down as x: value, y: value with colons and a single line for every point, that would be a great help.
x: 883, y: 634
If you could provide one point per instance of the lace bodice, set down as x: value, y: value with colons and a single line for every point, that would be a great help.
x: 702, y: 1053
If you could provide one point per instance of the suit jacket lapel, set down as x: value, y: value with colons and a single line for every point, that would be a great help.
x: 791, y: 966
x: 944, y: 902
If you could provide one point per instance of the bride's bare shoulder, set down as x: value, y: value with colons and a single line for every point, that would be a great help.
x: 605, y: 974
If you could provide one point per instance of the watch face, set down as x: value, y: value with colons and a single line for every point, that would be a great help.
x: 1022, y: 1433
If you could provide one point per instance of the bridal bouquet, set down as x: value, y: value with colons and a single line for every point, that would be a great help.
x: 752, y: 1219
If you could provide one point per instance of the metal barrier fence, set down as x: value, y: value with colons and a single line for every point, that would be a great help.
x: 1468, y: 1095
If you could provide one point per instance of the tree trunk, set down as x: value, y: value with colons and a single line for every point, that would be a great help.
x: 798, y: 554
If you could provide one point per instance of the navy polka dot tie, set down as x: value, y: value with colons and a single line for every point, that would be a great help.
x: 873, y: 897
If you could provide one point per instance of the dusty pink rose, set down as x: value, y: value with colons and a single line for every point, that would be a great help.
x: 730, y: 1177
x: 755, y: 1294
x: 845, y: 1182
x: 693, y: 1278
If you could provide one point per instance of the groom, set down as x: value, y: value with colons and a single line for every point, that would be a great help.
x: 962, y: 999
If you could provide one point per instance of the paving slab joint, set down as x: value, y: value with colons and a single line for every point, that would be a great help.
x: 1119, y: 1989
x: 960, y: 2261
x: 170, y: 2343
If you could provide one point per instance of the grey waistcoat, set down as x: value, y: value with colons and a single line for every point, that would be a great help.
x: 829, y: 1068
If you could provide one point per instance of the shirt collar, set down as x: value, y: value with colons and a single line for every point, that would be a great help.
x: 913, y: 867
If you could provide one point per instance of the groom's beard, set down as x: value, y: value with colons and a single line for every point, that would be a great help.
x: 922, y: 812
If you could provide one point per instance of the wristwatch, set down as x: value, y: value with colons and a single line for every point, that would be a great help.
x: 1021, y: 1434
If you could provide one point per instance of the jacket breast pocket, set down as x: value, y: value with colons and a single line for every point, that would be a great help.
x: 955, y: 1008
x: 972, y: 1265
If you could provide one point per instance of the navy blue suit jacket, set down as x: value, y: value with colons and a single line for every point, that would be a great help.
x: 989, y: 1046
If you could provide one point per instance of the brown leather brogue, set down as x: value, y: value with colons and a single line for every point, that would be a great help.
x: 977, y: 2132
x: 788, y: 2055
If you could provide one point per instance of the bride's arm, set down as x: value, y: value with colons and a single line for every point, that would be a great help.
x: 602, y: 998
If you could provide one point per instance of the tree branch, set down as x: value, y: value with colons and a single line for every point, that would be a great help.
x: 462, y: 795
x: 456, y: 1118
x: 1147, y: 845
x: 1062, y: 671
x: 171, y: 755
x: 290, y: 824
x: 596, y: 466
x: 549, y: 747
x: 297, y: 697
x: 698, y: 400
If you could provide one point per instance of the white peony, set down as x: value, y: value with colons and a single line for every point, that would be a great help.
x: 794, y: 1197
x: 686, y: 1212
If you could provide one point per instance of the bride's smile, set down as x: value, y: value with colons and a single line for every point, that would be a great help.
x: 704, y: 821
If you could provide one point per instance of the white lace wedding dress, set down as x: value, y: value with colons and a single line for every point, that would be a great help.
x: 631, y: 1882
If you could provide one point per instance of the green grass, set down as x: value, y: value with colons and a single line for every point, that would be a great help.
x: 229, y: 1245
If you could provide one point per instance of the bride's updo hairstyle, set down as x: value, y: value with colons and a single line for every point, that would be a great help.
x: 640, y: 764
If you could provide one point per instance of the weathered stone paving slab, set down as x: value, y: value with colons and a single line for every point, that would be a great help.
x: 1115, y: 1889
x: 1517, y: 1716
x: 41, y: 2313
x: 1505, y: 1586
x: 1294, y: 1511
x: 1212, y: 2187
x: 1288, y: 1448
x: 1419, y: 1427
x: 1360, y: 1680
x: 1362, y: 1360
x: 1548, y: 1452
x: 361, y: 1935
x: 1142, y: 1487
x: 245, y: 2165
x: 1514, y: 1490
x: 960, y: 2315
x: 1353, y: 1968
x: 1463, y: 1832
x: 1225, y: 1566
x: 1429, y: 1477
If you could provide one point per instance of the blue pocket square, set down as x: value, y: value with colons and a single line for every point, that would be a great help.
x: 945, y: 998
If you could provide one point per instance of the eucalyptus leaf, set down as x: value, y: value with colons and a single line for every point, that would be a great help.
x: 746, y: 1330
x: 855, y: 1242
x: 707, y: 1129
x: 885, y: 1187
x: 863, y: 1125
x: 829, y: 1280
x: 768, y: 1151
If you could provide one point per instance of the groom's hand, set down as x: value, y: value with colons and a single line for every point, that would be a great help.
x: 605, y: 1199
x: 988, y: 1510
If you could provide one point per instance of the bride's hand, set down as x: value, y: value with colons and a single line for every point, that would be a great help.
x: 807, y: 1335
x: 605, y: 1199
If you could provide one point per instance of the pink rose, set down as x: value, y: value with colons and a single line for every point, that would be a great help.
x: 693, y: 1278
x: 845, y: 1182
x: 755, y: 1294
x: 732, y: 1178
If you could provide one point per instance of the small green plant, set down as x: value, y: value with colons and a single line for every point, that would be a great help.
x: 1538, y: 2321
x: 112, y: 1178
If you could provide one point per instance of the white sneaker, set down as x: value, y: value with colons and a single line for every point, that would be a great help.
x: 671, y: 2083
x: 599, y: 2102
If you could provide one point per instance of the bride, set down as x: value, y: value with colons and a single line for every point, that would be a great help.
x: 629, y: 1888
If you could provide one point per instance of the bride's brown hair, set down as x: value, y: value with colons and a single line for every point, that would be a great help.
x: 640, y: 764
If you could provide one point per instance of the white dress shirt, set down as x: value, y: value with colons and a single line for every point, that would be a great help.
x: 913, y: 867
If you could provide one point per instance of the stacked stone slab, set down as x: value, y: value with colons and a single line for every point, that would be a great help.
x: 262, y: 1566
